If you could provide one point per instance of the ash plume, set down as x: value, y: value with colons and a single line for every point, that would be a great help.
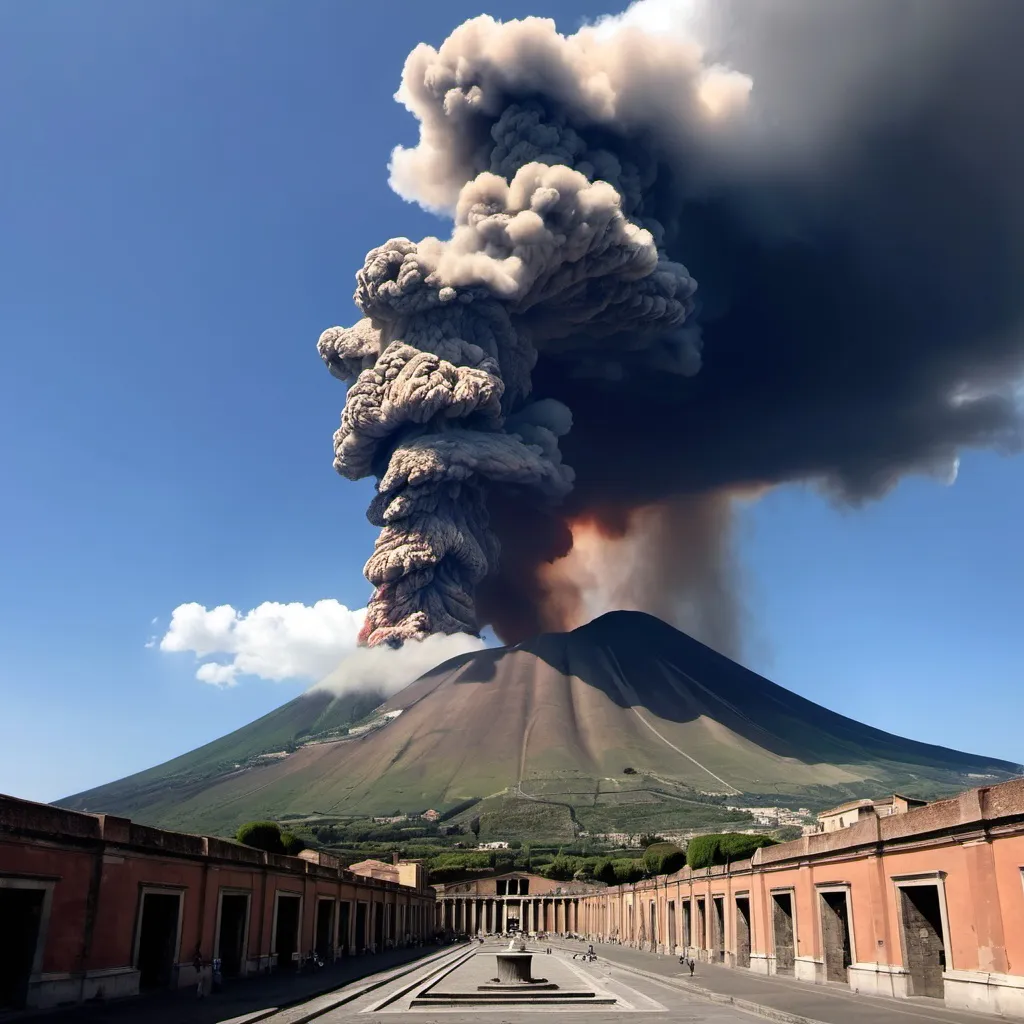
x: 772, y: 240
x: 673, y: 560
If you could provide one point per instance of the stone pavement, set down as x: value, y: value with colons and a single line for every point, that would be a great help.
x: 784, y: 998
x: 244, y: 999
x: 397, y: 1003
x: 360, y: 990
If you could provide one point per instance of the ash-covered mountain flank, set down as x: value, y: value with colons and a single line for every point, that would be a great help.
x: 558, y: 720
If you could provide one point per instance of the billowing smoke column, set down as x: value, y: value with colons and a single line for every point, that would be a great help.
x: 443, y: 413
x: 845, y: 180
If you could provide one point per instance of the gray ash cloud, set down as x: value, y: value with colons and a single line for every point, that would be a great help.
x: 791, y: 252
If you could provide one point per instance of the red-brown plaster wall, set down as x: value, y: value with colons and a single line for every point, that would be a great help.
x: 72, y: 870
x: 1008, y: 860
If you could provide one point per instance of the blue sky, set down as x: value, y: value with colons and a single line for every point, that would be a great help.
x: 186, y: 192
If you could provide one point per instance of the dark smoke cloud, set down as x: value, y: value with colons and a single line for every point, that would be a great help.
x: 844, y: 181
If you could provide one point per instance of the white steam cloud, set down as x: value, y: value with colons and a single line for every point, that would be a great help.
x: 389, y: 669
x: 292, y: 641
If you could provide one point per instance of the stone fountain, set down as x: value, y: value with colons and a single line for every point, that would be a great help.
x: 514, y: 985
x: 514, y: 970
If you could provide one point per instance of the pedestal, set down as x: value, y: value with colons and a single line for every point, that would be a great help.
x: 514, y: 968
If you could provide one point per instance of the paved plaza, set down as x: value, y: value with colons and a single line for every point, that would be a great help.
x: 640, y: 983
x: 620, y: 984
x: 467, y: 967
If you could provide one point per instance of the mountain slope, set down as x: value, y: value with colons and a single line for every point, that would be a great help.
x: 558, y: 718
x: 309, y: 717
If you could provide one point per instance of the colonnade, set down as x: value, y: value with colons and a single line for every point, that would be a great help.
x: 476, y: 915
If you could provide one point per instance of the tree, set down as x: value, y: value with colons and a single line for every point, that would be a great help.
x: 704, y: 851
x: 626, y: 870
x: 649, y: 839
x: 261, y: 835
x: 561, y: 868
x: 787, y: 833
x: 292, y: 844
x: 474, y: 827
x: 663, y: 858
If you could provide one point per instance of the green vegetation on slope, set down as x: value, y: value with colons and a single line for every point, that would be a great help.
x: 313, y: 716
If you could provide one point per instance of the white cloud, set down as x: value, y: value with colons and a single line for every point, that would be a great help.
x: 296, y: 641
x: 389, y: 669
x: 272, y: 641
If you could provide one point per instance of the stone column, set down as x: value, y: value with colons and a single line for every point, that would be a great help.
x: 472, y: 917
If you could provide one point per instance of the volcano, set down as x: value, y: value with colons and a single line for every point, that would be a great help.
x: 623, y: 723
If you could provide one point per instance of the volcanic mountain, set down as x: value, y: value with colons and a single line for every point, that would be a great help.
x: 620, y: 721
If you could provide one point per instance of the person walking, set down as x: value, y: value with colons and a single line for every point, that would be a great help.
x: 692, y: 965
x: 197, y: 965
